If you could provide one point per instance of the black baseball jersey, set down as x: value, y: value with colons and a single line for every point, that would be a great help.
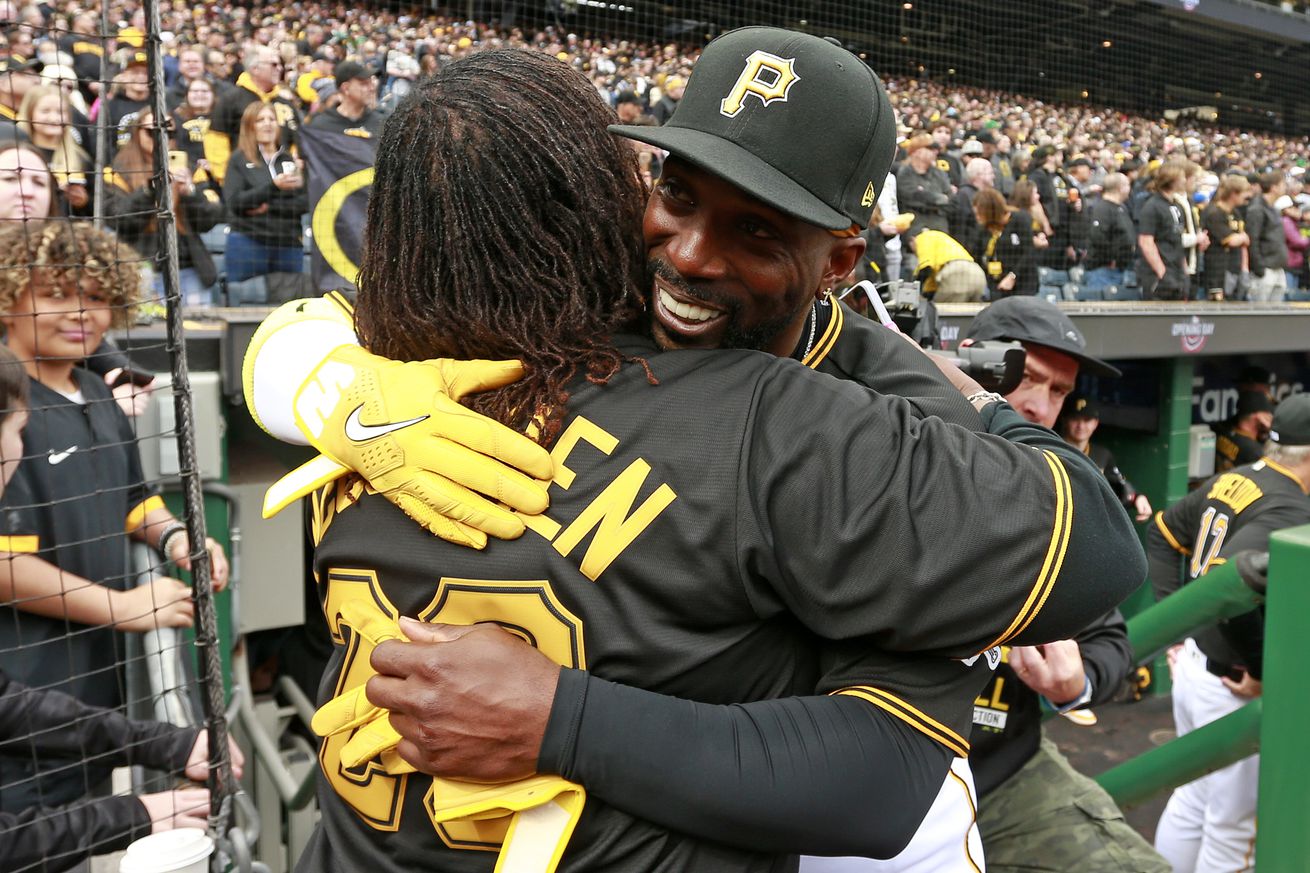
x: 787, y: 543
x: 1229, y: 513
x: 77, y: 492
x: 1235, y: 449
x: 1007, y: 715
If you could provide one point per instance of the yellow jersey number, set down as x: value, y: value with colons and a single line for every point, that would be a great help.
x: 529, y: 609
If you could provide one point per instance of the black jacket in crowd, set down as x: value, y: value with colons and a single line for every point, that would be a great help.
x: 1011, y: 251
x: 1111, y: 236
x: 1268, y: 245
x: 368, y: 126
x: 232, y: 105
x: 131, y: 215
x: 963, y: 222
x: 63, y: 726
x: 1220, y: 259
x: 249, y: 185
x: 927, y: 195
x: 1044, y: 182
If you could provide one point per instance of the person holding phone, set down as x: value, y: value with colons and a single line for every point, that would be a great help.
x: 130, y: 207
x: 264, y: 190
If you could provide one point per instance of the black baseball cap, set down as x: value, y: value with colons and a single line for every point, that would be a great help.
x: 347, y: 70
x: 1249, y: 402
x: 1080, y: 405
x: 1292, y: 421
x: 792, y: 119
x: 1038, y: 321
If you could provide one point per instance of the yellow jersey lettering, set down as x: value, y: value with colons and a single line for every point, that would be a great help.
x: 1237, y: 491
x: 997, y: 690
x: 765, y: 75
x: 369, y: 790
x: 615, y: 522
x: 579, y: 430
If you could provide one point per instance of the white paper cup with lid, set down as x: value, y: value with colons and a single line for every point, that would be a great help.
x: 181, y: 850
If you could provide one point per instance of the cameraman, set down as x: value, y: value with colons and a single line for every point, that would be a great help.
x: 1030, y: 798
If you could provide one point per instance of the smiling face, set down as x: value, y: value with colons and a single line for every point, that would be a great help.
x: 1079, y: 429
x: 266, y: 129
x: 25, y: 187
x: 730, y: 271
x: 52, y: 322
x: 200, y: 96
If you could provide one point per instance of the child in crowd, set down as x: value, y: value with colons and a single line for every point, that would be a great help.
x: 64, y: 727
x: 64, y: 576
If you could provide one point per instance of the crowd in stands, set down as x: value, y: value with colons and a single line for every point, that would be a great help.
x: 346, y: 66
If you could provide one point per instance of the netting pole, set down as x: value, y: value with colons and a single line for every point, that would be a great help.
x: 102, y: 123
x: 221, y: 785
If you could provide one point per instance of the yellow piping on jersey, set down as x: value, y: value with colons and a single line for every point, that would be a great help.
x: 1168, y: 535
x: 973, y: 813
x: 20, y: 544
x: 1054, y: 555
x: 1274, y: 465
x: 926, y: 725
x: 828, y: 340
x: 137, y: 516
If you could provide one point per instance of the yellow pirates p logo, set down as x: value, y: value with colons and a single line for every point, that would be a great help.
x: 765, y: 75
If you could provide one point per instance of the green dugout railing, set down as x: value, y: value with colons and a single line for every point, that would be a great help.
x: 1275, y: 724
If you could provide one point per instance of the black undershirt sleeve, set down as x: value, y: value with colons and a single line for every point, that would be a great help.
x: 801, y: 775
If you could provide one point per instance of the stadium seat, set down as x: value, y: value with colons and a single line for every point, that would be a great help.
x: 1051, y: 276
x: 1124, y: 292
x: 1085, y: 293
x: 215, y: 239
x: 1053, y: 293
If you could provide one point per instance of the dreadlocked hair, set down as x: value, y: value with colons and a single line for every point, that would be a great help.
x: 66, y: 253
x: 504, y: 222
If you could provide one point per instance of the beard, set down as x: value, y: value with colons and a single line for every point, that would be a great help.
x: 757, y: 336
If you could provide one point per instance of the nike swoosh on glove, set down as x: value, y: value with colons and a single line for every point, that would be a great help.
x: 401, y: 427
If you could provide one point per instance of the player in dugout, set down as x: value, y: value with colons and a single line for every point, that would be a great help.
x: 700, y: 666
x: 1209, y: 825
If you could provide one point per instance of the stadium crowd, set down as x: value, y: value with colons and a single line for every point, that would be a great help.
x: 304, y: 59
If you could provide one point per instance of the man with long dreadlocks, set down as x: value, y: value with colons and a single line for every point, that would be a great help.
x: 725, y: 665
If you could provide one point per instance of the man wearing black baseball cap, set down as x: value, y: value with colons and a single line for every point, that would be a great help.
x: 1056, y: 352
x: 1210, y: 824
x: 1241, y: 439
x: 355, y: 112
x: 1027, y: 790
x: 1078, y: 423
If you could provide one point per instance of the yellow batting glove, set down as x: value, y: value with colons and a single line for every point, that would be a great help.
x: 401, y: 427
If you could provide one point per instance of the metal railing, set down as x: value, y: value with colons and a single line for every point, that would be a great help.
x: 1273, y: 724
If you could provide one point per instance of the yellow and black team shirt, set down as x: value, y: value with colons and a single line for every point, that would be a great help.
x: 1233, y: 511
x: 76, y: 494
x: 789, y: 543
x: 1234, y: 449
